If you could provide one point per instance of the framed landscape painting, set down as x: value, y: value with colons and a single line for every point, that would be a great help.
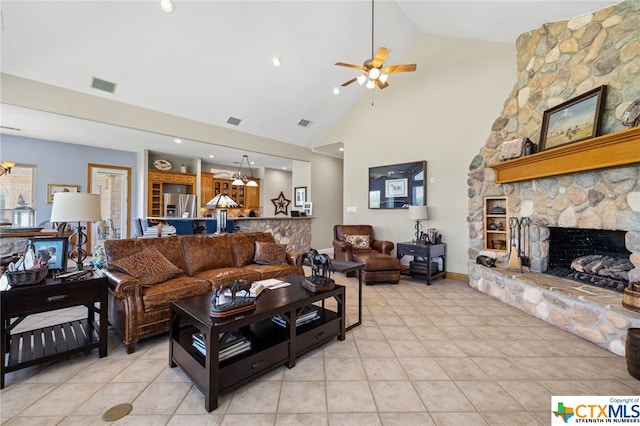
x: 52, y: 188
x: 574, y: 120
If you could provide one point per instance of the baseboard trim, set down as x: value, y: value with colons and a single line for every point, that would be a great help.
x: 457, y: 276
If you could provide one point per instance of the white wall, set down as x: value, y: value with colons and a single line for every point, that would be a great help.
x: 442, y: 113
x: 275, y: 181
x: 326, y: 195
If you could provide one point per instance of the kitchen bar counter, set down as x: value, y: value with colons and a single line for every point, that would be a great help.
x: 295, y: 232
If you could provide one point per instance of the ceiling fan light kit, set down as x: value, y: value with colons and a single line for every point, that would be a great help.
x: 374, y: 73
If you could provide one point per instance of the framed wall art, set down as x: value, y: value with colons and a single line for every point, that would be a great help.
x: 307, y: 208
x: 574, y: 120
x: 53, y: 250
x: 398, y: 185
x: 300, y: 196
x: 52, y: 188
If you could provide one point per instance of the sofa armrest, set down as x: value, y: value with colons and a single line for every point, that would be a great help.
x: 294, y: 258
x: 122, y: 285
x: 385, y: 247
x: 343, y: 250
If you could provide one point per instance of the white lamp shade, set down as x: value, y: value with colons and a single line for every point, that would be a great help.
x: 418, y: 213
x: 75, y: 207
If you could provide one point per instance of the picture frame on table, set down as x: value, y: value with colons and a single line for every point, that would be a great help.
x: 307, y: 208
x: 572, y: 121
x: 52, y: 188
x: 53, y: 251
x: 299, y: 196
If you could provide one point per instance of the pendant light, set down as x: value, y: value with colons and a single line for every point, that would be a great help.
x: 239, y: 179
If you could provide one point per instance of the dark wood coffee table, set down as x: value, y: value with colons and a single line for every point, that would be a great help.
x: 271, y: 344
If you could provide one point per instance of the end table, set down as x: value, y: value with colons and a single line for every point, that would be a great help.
x: 55, y: 341
x: 426, y: 251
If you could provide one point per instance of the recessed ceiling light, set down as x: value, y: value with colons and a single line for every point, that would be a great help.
x: 336, y: 91
x: 177, y: 140
x: 253, y: 162
x: 166, y: 5
x: 284, y: 168
x: 276, y: 62
x: 341, y: 149
x: 211, y: 156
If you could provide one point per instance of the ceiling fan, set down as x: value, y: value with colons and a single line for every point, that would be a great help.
x: 374, y: 72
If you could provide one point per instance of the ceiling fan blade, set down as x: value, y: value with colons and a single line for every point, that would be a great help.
x: 381, y: 84
x: 358, y: 67
x: 346, y: 83
x: 380, y: 57
x: 399, y: 68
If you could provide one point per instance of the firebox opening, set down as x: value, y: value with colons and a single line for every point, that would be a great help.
x: 594, y: 256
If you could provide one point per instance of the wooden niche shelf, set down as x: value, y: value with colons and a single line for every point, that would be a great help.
x: 614, y: 149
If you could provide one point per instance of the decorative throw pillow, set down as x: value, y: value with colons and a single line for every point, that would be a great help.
x: 270, y: 253
x: 148, y: 266
x: 359, y: 242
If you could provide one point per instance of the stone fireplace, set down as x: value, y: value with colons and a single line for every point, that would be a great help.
x: 594, y: 256
x: 555, y: 63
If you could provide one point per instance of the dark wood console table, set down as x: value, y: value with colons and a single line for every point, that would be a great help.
x: 426, y: 251
x: 271, y: 345
x: 52, y: 342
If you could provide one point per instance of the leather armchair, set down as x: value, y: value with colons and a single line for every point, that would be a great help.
x: 350, y: 244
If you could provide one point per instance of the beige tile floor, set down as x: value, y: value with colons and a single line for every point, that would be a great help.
x: 443, y: 354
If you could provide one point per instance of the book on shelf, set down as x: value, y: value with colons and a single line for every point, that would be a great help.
x: 272, y: 283
x: 233, y: 344
x: 308, y: 314
x: 233, y: 350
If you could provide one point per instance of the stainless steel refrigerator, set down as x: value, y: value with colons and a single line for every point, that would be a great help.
x: 180, y: 205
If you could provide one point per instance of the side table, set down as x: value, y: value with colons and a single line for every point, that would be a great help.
x: 55, y: 341
x: 426, y: 251
x: 344, y: 267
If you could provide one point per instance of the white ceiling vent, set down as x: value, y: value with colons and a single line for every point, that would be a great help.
x: 304, y: 123
x: 104, y: 85
x: 15, y: 129
x: 234, y: 121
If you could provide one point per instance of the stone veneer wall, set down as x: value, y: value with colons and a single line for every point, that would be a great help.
x: 555, y: 63
x: 294, y: 232
x: 604, y: 323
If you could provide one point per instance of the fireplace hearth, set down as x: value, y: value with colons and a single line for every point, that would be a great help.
x: 593, y: 256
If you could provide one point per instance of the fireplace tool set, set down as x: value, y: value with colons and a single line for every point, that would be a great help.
x: 520, y: 243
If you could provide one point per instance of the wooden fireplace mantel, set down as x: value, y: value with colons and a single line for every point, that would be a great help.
x: 614, y: 149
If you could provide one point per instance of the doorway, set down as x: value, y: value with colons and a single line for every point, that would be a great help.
x: 113, y: 183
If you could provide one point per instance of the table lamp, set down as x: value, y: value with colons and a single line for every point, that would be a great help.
x: 418, y: 213
x: 77, y: 207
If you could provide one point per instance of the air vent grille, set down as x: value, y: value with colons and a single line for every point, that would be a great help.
x: 15, y: 129
x: 233, y: 121
x: 104, y: 85
x: 304, y: 123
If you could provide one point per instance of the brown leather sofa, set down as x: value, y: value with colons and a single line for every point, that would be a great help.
x: 186, y: 265
x: 356, y: 243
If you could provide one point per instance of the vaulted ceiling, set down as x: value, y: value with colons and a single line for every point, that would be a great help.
x: 211, y: 60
